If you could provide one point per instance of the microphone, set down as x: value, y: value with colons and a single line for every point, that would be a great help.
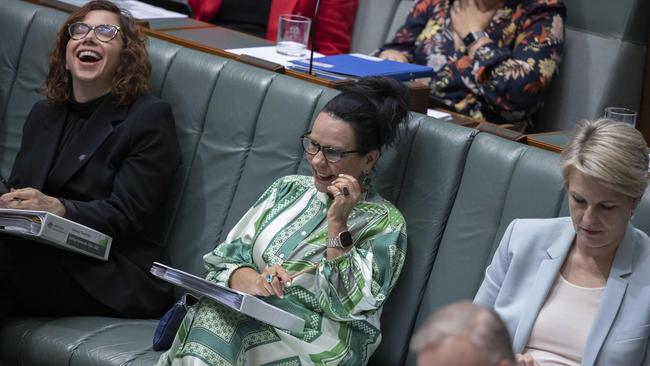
x: 312, y: 34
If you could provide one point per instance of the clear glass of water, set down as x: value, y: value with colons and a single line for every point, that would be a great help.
x: 621, y: 115
x: 293, y: 33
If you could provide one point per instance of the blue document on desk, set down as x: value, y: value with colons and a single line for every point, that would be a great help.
x: 356, y: 65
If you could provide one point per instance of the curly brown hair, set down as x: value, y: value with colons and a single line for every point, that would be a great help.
x: 131, y: 78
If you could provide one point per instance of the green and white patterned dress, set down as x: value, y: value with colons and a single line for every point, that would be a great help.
x: 341, y: 301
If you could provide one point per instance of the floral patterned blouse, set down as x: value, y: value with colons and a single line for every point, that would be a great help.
x: 506, y: 79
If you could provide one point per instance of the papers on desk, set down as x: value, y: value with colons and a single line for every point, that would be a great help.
x: 54, y: 230
x: 439, y: 114
x: 356, y: 65
x: 138, y: 9
x: 238, y: 301
x: 268, y: 53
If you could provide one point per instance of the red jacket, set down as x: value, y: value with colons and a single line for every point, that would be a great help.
x: 335, y: 20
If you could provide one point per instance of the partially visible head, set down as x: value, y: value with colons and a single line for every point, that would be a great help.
x: 95, y: 66
x: 605, y: 170
x: 362, y: 119
x: 463, y: 334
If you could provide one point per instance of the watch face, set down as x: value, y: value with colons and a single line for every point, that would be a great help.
x: 345, y: 238
x: 469, y: 39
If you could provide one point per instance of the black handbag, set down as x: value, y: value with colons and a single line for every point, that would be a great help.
x: 171, y: 321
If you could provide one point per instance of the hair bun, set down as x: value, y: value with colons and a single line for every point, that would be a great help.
x: 376, y: 107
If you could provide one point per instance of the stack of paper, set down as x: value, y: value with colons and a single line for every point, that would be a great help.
x: 268, y: 53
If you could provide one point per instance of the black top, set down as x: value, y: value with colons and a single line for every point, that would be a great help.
x: 78, y: 114
x: 247, y: 16
x: 113, y: 175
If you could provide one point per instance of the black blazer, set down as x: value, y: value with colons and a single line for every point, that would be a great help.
x: 114, y: 177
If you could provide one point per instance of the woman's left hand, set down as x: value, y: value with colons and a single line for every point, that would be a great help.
x: 343, y: 203
x: 31, y: 199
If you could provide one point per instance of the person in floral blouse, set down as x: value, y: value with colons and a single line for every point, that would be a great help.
x: 492, y: 59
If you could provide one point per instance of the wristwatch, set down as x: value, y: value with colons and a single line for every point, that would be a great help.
x: 343, y: 240
x: 472, y: 37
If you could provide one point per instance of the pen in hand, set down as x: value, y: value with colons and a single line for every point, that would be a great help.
x: 308, y: 269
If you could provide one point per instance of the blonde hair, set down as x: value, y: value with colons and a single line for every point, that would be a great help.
x: 614, y: 153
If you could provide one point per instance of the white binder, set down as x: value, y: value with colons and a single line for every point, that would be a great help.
x: 236, y: 300
x: 55, y: 230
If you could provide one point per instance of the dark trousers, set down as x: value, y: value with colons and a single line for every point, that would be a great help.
x: 33, y: 282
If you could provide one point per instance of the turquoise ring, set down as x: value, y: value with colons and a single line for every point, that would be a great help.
x: 269, y: 278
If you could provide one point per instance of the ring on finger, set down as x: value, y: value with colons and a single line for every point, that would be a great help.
x: 338, y: 194
x: 268, y: 278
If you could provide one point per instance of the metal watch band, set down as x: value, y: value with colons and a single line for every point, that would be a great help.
x: 342, y: 240
x: 333, y: 243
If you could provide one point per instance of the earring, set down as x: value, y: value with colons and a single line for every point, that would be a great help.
x: 65, y: 76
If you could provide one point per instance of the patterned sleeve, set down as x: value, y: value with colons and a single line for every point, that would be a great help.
x: 237, y: 251
x: 514, y: 78
x: 407, y: 34
x: 358, y: 283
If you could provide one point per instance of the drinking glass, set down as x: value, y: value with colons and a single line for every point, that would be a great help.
x: 621, y: 115
x: 293, y: 32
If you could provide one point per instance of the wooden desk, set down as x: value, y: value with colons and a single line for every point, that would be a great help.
x: 552, y: 141
x: 214, y: 37
x: 643, y: 124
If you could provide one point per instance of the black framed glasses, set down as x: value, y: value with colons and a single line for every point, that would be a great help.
x: 103, y: 32
x: 331, y: 154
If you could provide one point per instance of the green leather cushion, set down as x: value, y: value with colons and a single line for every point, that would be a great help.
x: 502, y: 180
x: 31, y: 69
x: 77, y: 341
x: 421, y: 176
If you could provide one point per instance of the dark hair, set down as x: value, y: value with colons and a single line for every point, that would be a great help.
x: 131, y: 78
x: 374, y: 107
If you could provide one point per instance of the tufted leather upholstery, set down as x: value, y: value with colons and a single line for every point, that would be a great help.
x: 238, y: 128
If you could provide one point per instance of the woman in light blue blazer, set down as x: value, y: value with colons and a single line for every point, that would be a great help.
x: 576, y: 290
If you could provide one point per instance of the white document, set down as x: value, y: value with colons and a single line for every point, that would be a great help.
x: 138, y: 9
x: 439, y: 114
x: 268, y: 53
x: 55, y: 230
x: 236, y: 300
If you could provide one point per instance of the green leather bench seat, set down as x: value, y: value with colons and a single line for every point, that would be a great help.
x: 239, y: 129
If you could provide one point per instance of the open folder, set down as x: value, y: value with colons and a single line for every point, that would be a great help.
x: 55, y: 230
x: 238, y: 301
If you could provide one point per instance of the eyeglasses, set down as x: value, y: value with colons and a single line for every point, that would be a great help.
x: 331, y: 154
x: 103, y: 32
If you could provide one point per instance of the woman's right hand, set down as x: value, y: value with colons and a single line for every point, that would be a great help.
x: 280, y: 278
x: 248, y: 280
x: 393, y: 55
x: 525, y: 360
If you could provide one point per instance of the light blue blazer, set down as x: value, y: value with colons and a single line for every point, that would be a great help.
x: 525, y: 267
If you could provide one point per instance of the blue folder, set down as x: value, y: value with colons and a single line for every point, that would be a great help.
x: 357, y: 65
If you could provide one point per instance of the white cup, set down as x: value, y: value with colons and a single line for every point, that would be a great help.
x: 293, y: 33
x: 621, y: 115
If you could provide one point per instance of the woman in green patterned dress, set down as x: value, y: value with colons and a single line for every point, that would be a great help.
x: 332, y: 219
